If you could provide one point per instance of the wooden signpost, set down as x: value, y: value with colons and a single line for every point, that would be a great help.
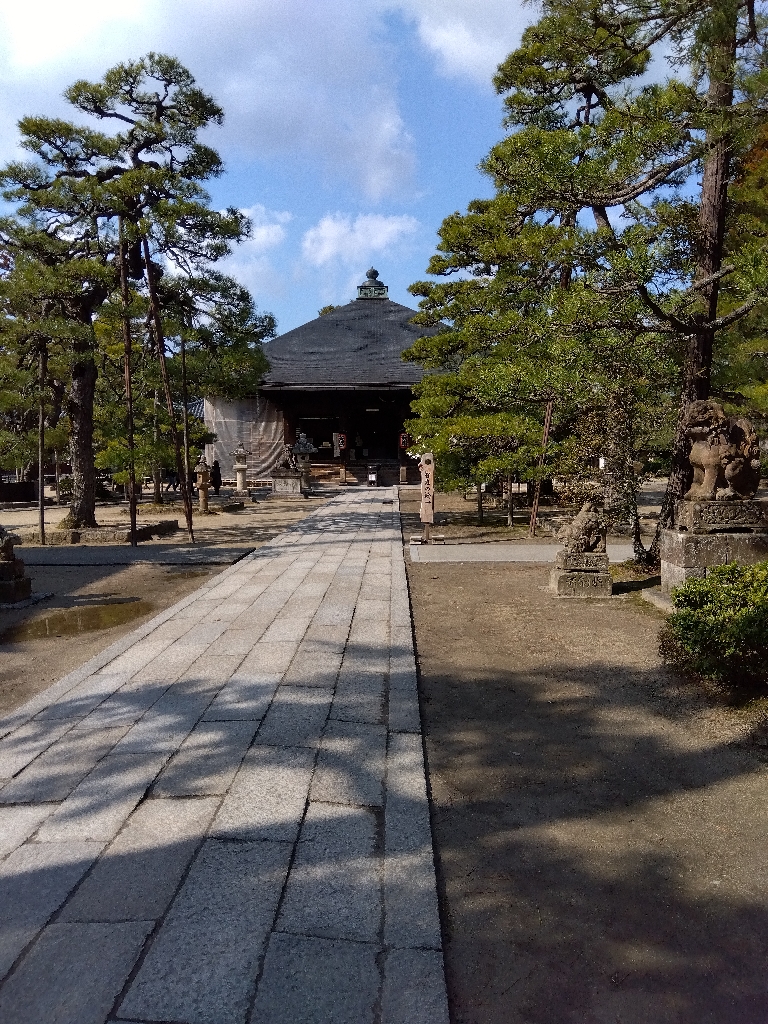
x: 427, y: 510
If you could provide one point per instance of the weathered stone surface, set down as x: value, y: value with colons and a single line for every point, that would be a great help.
x: 203, y: 962
x: 97, y: 808
x: 712, y: 516
x: 34, y: 882
x: 18, y: 824
x: 724, y: 453
x: 705, y: 549
x: 73, y: 974
x: 189, y: 693
x: 414, y: 988
x: 317, y: 981
x: 55, y: 773
x: 676, y: 575
x: 333, y: 890
x: 24, y: 744
x: 296, y: 717
x: 584, y: 561
x: 587, y: 532
x: 350, y: 768
x: 137, y: 875
x: 207, y: 761
x: 685, y: 555
x: 287, y: 484
x: 268, y: 796
x: 581, y: 584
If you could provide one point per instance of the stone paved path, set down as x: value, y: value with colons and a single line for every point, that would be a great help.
x: 223, y: 818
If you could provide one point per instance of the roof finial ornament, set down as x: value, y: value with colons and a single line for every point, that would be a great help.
x: 372, y: 288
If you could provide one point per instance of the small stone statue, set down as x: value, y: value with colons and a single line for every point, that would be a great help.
x: 14, y: 585
x: 7, y: 540
x: 581, y: 568
x: 289, y: 460
x: 724, y: 454
x: 586, y: 533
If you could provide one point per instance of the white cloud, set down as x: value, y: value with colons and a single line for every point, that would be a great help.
x: 267, y: 228
x: 470, y: 37
x: 339, y: 239
x: 250, y: 263
x: 298, y: 81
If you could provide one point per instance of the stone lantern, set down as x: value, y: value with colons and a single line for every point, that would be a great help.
x: 240, y: 455
x: 302, y: 450
x: 203, y: 482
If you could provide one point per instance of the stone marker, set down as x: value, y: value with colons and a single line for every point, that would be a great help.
x: 14, y: 586
x: 719, y: 520
x: 581, y: 568
x: 427, y: 510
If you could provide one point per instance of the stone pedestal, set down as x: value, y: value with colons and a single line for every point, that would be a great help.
x: 305, y: 469
x: 710, y: 533
x: 722, y: 516
x: 240, y: 473
x: 581, y: 574
x: 286, y: 483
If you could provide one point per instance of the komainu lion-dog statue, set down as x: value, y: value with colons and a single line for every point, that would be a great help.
x: 724, y: 454
x: 587, y: 531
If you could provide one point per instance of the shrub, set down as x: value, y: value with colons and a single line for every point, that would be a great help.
x: 719, y: 627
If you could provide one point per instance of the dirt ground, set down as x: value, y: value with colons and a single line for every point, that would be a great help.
x: 94, y: 605
x: 600, y: 825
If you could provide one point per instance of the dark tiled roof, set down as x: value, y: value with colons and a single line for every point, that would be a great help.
x: 359, y: 344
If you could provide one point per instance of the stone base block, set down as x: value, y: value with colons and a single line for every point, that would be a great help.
x: 705, y: 549
x: 685, y: 555
x: 566, y: 583
x: 676, y: 575
x: 11, y: 570
x: 288, y: 485
x: 581, y: 561
x: 719, y: 516
x: 102, y: 534
x: 15, y: 590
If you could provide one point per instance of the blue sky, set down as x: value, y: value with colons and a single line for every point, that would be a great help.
x: 352, y: 128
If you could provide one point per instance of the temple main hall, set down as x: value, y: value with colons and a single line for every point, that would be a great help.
x: 341, y: 381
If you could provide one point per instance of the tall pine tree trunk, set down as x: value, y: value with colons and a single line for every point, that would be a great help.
x: 82, y: 512
x: 712, y: 215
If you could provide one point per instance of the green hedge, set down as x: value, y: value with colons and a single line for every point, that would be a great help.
x: 719, y: 627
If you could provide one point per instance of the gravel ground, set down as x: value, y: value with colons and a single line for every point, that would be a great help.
x: 600, y: 826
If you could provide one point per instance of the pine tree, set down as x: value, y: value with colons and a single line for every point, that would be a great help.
x: 150, y: 172
x: 595, y: 267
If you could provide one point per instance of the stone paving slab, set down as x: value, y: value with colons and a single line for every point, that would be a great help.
x: 223, y: 818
